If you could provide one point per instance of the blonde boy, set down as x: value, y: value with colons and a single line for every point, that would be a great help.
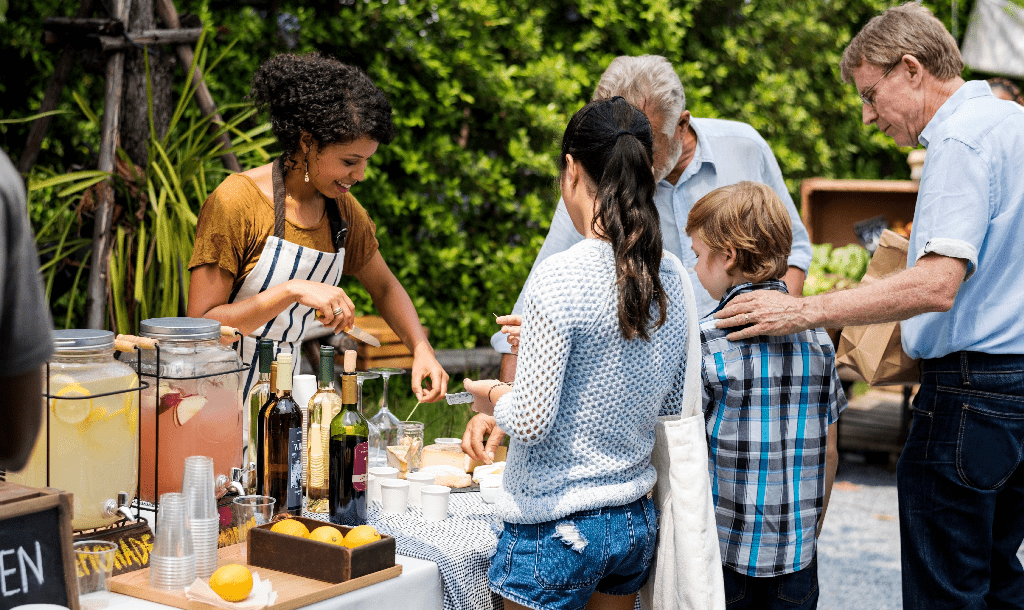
x: 770, y: 405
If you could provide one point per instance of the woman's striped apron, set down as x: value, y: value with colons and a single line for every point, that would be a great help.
x: 279, y: 262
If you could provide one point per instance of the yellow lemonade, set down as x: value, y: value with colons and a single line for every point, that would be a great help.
x: 93, y: 443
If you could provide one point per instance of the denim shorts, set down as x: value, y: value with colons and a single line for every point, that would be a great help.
x: 559, y: 564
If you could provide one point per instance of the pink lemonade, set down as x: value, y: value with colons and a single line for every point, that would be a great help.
x: 197, y: 417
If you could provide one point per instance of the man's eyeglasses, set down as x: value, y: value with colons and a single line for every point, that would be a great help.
x: 867, y: 96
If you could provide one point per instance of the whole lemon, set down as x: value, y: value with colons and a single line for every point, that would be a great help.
x: 232, y: 582
x: 326, y: 533
x: 360, y: 535
x: 292, y: 527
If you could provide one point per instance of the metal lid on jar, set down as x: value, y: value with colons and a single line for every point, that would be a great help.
x: 180, y: 329
x: 75, y: 339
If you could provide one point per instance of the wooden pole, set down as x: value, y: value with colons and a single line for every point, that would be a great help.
x: 169, y: 15
x: 99, y: 268
x: 149, y: 37
x: 60, y: 74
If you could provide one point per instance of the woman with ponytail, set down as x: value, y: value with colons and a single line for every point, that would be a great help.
x: 601, y: 355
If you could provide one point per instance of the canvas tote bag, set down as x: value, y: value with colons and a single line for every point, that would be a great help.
x: 686, y: 573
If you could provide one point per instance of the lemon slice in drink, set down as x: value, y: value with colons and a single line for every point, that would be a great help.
x: 72, y: 411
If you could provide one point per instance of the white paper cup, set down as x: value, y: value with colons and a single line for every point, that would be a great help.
x: 435, y: 502
x: 418, y: 480
x: 490, y: 485
x: 384, y: 472
x: 394, y: 495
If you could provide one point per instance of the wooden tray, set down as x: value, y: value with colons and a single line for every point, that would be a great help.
x: 292, y: 591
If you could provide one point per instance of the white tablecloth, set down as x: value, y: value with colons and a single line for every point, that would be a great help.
x: 417, y: 588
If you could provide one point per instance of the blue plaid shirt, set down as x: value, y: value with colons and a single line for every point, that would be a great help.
x: 768, y: 402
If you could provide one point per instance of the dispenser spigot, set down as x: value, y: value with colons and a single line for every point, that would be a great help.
x: 113, y: 508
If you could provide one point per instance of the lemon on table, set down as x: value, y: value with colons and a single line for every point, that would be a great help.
x: 360, y: 535
x: 232, y: 582
x: 326, y: 533
x: 292, y: 527
x: 72, y: 411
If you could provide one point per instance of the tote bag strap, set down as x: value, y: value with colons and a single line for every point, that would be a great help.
x: 691, y: 381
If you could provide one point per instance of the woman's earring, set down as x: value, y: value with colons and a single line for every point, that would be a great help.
x: 307, y: 169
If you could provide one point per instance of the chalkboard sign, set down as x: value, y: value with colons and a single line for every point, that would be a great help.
x: 36, y: 555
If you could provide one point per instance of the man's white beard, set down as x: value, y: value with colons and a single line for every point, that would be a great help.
x: 666, y: 168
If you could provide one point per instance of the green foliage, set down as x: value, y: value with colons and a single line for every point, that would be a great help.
x: 155, y: 215
x: 482, y: 90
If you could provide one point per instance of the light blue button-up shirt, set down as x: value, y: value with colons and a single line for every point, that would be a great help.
x: 970, y: 205
x: 727, y: 152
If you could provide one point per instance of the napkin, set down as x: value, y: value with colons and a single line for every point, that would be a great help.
x: 261, y: 596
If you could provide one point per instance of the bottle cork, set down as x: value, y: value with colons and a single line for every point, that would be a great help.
x: 350, y: 361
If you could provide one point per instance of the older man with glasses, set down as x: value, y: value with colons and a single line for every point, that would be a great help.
x: 961, y: 475
x: 692, y: 157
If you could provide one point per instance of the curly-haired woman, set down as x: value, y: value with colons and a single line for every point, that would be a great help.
x: 273, y: 242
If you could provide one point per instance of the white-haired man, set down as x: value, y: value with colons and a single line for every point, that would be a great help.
x: 960, y: 477
x: 692, y: 157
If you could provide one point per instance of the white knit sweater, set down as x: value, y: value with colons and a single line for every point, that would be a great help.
x: 581, y: 414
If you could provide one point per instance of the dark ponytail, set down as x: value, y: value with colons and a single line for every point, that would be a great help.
x: 612, y: 141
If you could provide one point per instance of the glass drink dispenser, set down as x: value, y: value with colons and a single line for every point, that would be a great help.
x: 193, y: 405
x: 88, y: 444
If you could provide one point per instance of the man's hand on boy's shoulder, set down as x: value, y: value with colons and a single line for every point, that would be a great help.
x: 768, y: 312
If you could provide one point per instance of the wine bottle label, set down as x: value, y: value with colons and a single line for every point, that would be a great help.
x: 294, y: 468
x: 359, y: 466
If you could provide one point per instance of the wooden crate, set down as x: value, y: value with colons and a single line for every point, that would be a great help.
x: 317, y: 560
x: 830, y: 208
x: 391, y: 353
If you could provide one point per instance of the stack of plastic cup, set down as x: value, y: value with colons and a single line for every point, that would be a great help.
x: 204, y: 521
x: 172, y: 562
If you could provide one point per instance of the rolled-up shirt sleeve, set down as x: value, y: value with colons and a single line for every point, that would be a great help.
x: 953, y: 210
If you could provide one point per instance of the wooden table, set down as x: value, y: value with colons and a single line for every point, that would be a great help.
x: 417, y: 588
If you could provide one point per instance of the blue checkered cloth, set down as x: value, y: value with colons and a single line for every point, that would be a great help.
x: 768, y: 402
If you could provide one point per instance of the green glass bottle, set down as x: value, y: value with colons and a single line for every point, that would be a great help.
x: 348, y: 454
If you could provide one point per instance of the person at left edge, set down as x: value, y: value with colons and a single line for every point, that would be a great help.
x: 272, y: 242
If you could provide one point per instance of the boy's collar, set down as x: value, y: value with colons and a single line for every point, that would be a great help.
x: 750, y: 287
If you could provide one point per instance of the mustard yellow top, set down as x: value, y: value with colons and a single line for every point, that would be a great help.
x: 237, y: 218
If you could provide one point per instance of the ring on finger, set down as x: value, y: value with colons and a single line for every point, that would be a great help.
x: 338, y: 311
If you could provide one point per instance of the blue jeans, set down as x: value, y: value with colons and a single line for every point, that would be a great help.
x: 793, y: 591
x: 559, y: 564
x: 961, y: 485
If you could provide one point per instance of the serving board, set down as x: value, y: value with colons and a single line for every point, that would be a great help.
x: 292, y: 591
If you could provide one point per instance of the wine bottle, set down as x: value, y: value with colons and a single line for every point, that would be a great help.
x: 323, y: 406
x: 282, y: 451
x: 348, y: 453
x: 257, y: 398
x: 261, y: 429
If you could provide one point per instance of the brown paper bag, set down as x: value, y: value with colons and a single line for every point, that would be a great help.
x: 875, y: 352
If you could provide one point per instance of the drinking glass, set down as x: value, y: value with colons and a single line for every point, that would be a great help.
x: 248, y: 512
x: 385, y: 422
x: 410, y: 436
x: 95, y: 559
x: 373, y: 438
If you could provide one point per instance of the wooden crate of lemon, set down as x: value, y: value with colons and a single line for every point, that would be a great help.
x: 318, y: 550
